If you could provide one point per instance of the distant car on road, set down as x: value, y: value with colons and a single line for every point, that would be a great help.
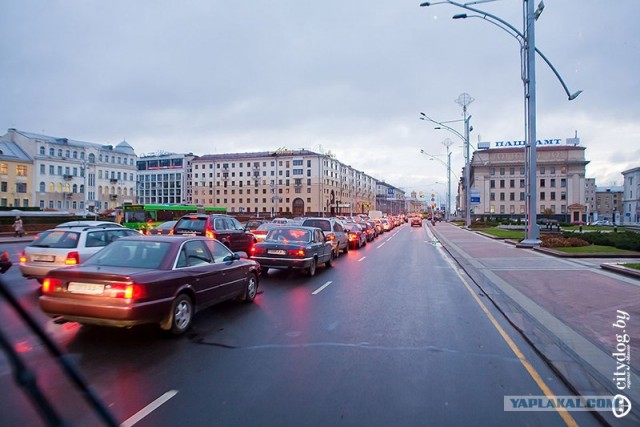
x: 416, y: 221
x: 294, y: 247
x: 224, y: 228
x: 69, y: 245
x: 601, y: 222
x: 149, y: 279
x: 164, y: 228
x: 333, y: 231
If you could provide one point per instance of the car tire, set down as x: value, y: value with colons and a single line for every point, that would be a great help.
x: 311, y: 271
x: 328, y: 263
x: 251, y: 288
x: 181, y: 315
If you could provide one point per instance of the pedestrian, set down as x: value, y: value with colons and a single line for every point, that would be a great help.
x: 18, y: 227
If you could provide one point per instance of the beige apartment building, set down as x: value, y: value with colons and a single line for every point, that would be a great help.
x: 76, y: 176
x: 15, y: 176
x: 282, y: 182
x: 498, y: 177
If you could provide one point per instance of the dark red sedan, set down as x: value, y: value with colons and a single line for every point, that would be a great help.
x: 149, y: 279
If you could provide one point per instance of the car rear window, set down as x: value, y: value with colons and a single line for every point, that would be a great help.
x: 190, y: 225
x: 323, y: 225
x: 57, y: 239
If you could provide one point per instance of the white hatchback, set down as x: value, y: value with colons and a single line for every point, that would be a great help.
x: 62, y: 246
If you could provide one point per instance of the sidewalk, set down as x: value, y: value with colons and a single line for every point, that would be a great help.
x: 566, y: 308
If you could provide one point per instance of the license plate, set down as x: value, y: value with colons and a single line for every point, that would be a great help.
x: 43, y: 258
x: 85, y: 288
x: 276, y: 252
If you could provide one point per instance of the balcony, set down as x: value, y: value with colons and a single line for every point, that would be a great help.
x: 113, y: 197
x: 67, y: 177
x: 113, y: 180
x: 67, y: 195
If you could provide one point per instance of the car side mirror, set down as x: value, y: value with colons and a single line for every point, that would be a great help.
x: 236, y: 256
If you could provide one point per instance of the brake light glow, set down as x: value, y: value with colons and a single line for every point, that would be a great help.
x: 23, y: 258
x: 50, y: 285
x: 125, y: 291
x: 296, y: 252
x: 255, y: 250
x: 210, y: 234
x: 73, y: 258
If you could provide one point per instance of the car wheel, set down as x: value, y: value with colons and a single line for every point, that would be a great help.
x: 181, y: 315
x: 251, y: 289
x: 329, y: 261
x: 311, y: 271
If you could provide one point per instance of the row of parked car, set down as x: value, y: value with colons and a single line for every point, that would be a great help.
x: 106, y: 274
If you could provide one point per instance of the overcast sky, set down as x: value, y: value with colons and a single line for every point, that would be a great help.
x: 349, y: 76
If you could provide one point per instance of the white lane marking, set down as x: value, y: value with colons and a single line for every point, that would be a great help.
x: 380, y: 245
x: 149, y: 408
x: 317, y: 291
x: 361, y: 258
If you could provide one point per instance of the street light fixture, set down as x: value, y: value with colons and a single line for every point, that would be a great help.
x: 464, y: 99
x: 526, y: 39
x: 447, y: 142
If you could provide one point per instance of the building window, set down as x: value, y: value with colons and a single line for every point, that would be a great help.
x: 542, y: 195
x: 542, y: 183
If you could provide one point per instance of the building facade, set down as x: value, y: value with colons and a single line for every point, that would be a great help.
x: 281, y: 182
x: 16, y: 176
x: 498, y: 178
x: 77, y: 176
x: 609, y: 204
x: 389, y: 199
x: 163, y: 178
x: 590, y: 199
x: 631, y: 197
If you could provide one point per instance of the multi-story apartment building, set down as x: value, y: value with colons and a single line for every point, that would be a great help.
x: 15, y: 176
x: 163, y: 178
x: 75, y: 176
x: 498, y: 177
x: 609, y: 203
x: 282, y: 182
x: 631, y: 197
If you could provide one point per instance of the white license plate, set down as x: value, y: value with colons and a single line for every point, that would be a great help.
x: 43, y: 258
x: 85, y: 288
x: 276, y: 252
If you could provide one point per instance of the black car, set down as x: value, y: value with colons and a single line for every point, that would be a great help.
x: 224, y: 228
x: 294, y: 247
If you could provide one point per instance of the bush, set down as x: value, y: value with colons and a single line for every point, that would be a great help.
x: 561, y: 242
x: 622, y: 240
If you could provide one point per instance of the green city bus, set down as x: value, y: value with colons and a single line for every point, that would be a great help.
x: 146, y: 217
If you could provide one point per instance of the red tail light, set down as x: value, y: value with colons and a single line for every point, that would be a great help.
x: 209, y: 233
x: 296, y: 252
x: 50, y: 285
x: 73, y: 258
x: 125, y: 290
x: 23, y: 258
x: 256, y: 250
x: 330, y: 237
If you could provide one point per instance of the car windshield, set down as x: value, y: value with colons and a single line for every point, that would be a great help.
x: 129, y: 253
x: 57, y: 239
x: 289, y: 235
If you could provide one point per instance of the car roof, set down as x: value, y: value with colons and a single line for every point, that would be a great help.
x: 89, y: 223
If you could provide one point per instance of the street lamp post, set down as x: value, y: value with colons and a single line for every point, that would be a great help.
x: 464, y: 99
x: 527, y: 44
